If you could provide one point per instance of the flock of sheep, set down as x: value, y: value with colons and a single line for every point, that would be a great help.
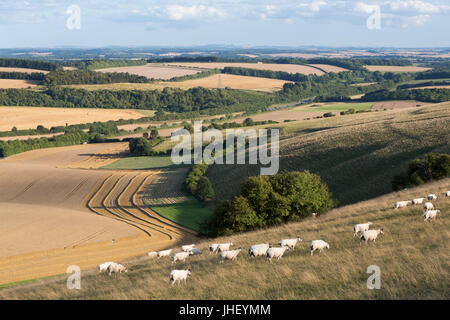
x: 430, y: 212
x: 266, y: 249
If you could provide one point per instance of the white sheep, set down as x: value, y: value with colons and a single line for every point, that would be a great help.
x: 258, y: 250
x: 360, y: 228
x: 178, y: 275
x: 431, y: 196
x: 164, y: 253
x: 213, y: 248
x: 180, y: 256
x: 275, y: 253
x: 430, y: 214
x: 370, y: 235
x: 195, y: 251
x: 116, y: 268
x: 401, y: 204
x: 318, y: 245
x: 229, y: 254
x: 447, y: 194
x: 152, y: 254
x: 290, y: 243
x: 428, y: 206
x: 224, y: 246
x: 104, y: 266
x: 417, y: 201
x: 187, y: 247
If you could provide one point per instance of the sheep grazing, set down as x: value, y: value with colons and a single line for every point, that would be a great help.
x: 104, y: 266
x: 164, y: 253
x: 116, y: 268
x: 180, y: 256
x: 318, y: 245
x: 430, y: 214
x: 194, y: 251
x: 447, y: 194
x: 370, y: 235
x: 275, y: 253
x: 258, y: 250
x: 431, y: 196
x: 187, y: 247
x: 360, y: 228
x: 229, y: 254
x: 213, y: 248
x: 428, y: 206
x: 417, y: 201
x: 224, y: 246
x: 290, y: 243
x: 401, y: 204
x: 152, y: 254
x: 178, y: 275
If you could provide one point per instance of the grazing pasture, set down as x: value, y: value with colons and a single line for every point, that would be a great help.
x: 31, y: 117
x: 412, y: 256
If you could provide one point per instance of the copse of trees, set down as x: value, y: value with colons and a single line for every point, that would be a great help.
x: 384, y: 62
x: 29, y: 64
x: 198, y: 184
x: 91, y: 77
x: 266, y: 201
x: 431, y: 167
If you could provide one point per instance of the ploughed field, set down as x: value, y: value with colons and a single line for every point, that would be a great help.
x: 54, y: 216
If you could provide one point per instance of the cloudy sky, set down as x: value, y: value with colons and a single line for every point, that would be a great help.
x: 397, y: 23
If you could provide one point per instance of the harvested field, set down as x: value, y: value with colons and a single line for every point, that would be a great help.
x: 22, y: 70
x: 396, y: 68
x: 328, y: 68
x: 50, y: 135
x: 390, y: 105
x: 102, y: 158
x: 46, y: 223
x: 17, y: 84
x: 154, y: 71
x: 217, y: 81
x: 291, y: 68
x: 432, y: 87
x: 31, y: 117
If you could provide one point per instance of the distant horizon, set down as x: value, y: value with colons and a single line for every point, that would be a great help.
x: 256, y: 23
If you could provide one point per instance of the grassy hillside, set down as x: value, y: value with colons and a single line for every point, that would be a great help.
x: 413, y: 257
x: 356, y: 155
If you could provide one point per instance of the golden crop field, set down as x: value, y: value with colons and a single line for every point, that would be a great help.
x: 153, y: 71
x: 17, y: 84
x: 396, y: 68
x: 22, y: 70
x: 31, y: 117
x: 291, y: 68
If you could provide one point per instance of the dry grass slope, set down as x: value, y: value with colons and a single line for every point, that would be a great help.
x: 413, y: 257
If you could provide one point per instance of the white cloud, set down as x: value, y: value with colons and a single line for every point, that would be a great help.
x: 416, y: 5
x: 177, y: 12
x: 365, y: 8
x: 313, y: 6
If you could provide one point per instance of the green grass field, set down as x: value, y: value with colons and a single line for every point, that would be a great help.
x: 335, y: 107
x: 142, y: 163
x: 189, y: 214
x: 147, y: 113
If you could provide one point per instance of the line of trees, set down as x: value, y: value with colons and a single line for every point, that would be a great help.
x: 36, y: 76
x: 29, y: 64
x: 91, y: 77
x: 102, y: 64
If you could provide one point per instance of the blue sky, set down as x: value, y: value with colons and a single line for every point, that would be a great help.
x: 404, y: 23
